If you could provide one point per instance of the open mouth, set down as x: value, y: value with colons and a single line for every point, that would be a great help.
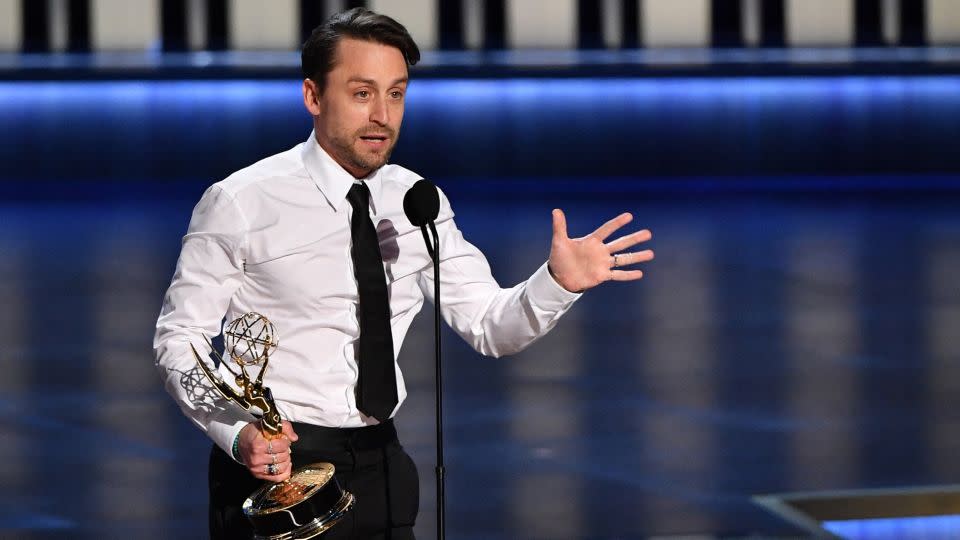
x: 374, y: 138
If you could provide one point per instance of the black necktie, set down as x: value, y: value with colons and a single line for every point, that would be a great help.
x: 377, y: 385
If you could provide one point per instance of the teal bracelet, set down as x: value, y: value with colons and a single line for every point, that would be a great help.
x: 236, y: 447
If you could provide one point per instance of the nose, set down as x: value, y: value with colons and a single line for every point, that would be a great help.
x: 379, y: 113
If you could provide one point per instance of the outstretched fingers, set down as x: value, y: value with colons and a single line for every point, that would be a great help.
x: 632, y: 257
x: 630, y: 240
x: 626, y: 275
x: 611, y: 226
x: 559, y: 225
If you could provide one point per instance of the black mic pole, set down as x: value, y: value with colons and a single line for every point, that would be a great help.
x: 441, y: 502
x: 421, y: 204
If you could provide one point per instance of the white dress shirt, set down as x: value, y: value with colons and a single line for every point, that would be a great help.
x: 274, y: 238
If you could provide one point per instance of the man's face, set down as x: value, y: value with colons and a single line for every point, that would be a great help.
x: 357, y: 117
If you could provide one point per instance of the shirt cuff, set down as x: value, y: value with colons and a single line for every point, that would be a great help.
x: 224, y: 427
x: 545, y: 293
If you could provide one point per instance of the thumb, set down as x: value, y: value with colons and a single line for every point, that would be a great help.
x: 289, y: 432
x: 559, y: 224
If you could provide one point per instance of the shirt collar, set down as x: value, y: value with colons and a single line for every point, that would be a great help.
x: 332, y: 179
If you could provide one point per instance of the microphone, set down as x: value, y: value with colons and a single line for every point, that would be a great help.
x: 421, y: 204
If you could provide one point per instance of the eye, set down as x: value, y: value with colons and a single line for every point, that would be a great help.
x: 362, y: 94
x: 396, y: 94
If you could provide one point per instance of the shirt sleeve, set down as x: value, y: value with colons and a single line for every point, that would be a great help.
x: 495, y: 321
x: 208, y: 272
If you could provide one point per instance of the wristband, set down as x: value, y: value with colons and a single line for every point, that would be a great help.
x: 236, y: 448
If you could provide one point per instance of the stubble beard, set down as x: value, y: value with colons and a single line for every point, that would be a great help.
x: 345, y: 146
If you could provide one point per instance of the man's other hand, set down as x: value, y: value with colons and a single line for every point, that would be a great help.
x: 579, y: 264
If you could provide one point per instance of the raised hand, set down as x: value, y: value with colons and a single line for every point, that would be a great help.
x: 579, y: 264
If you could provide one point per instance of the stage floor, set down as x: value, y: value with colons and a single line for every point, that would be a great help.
x: 786, y: 342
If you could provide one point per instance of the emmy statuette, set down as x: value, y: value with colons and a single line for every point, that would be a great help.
x: 310, y: 501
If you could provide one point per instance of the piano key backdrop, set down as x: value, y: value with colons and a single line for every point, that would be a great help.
x: 175, y: 25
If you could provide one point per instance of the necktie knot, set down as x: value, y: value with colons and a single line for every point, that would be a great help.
x: 359, y: 196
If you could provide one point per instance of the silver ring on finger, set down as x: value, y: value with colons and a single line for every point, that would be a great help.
x: 616, y: 261
x: 270, y: 446
x: 271, y: 469
x: 274, y: 458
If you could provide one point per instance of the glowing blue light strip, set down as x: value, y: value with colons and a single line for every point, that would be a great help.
x: 450, y: 93
x: 927, y: 528
x: 485, y: 111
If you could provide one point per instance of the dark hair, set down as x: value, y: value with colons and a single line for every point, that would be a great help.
x: 317, y: 56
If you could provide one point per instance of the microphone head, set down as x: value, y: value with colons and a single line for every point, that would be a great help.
x: 421, y: 204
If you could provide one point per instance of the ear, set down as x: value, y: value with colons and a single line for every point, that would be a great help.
x: 311, y: 97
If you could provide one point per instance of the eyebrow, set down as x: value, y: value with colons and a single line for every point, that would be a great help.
x: 372, y: 82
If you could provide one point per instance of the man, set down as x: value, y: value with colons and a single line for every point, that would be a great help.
x: 315, y: 238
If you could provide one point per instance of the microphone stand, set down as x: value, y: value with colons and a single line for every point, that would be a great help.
x: 434, y: 251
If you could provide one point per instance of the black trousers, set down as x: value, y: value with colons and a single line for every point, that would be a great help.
x: 369, y: 462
